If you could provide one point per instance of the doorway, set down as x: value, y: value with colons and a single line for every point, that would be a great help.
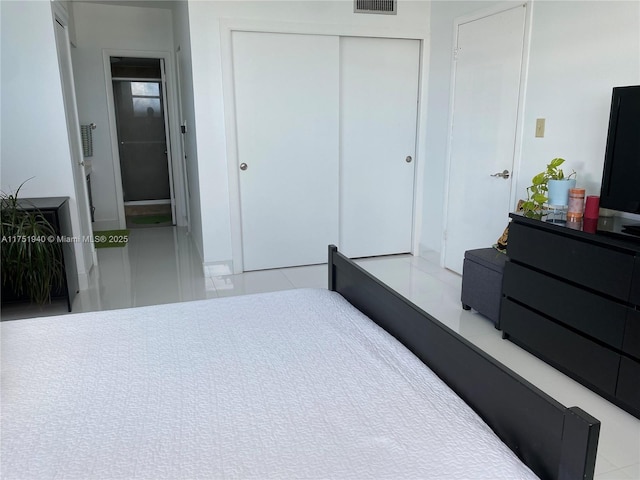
x: 143, y: 142
x: 484, y: 118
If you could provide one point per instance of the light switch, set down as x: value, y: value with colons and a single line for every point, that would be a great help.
x: 540, y: 127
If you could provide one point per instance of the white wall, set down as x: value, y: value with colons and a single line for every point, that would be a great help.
x: 579, y: 50
x: 109, y: 27
x: 204, y: 17
x: 34, y: 135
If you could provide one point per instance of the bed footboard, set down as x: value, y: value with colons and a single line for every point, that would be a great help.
x: 554, y: 441
x: 579, y: 444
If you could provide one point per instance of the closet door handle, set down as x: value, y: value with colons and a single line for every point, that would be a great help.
x: 243, y: 166
x: 409, y: 159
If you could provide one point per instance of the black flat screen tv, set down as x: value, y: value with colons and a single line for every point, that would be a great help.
x: 621, y: 176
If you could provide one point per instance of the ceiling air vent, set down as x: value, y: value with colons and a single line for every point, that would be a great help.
x: 387, y: 7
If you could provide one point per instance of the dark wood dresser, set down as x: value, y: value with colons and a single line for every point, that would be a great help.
x: 571, y: 296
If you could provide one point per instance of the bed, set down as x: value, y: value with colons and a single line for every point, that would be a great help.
x: 296, y: 384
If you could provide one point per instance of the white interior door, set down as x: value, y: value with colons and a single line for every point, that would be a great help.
x: 286, y: 92
x: 378, y: 112
x: 486, y: 90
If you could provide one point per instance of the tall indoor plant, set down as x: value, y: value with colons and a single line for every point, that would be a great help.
x: 32, y: 265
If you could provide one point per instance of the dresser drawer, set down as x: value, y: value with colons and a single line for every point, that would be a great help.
x: 628, y: 389
x: 603, y: 269
x: 577, y: 356
x: 590, y: 314
x: 631, y: 343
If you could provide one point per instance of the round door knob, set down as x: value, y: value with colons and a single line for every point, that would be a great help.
x: 408, y: 159
x: 243, y: 166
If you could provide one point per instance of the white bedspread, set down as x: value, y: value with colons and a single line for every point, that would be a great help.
x: 295, y: 384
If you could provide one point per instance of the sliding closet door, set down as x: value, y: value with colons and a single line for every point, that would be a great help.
x: 286, y: 93
x: 378, y: 111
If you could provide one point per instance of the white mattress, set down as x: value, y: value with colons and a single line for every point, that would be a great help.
x: 295, y: 384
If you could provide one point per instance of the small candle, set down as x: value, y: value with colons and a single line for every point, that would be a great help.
x: 576, y: 203
x: 592, y: 207
x: 589, y: 225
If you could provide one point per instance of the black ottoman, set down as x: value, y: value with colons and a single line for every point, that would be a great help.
x: 482, y: 282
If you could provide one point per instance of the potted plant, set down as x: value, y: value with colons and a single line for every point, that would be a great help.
x: 550, y: 186
x: 32, y: 265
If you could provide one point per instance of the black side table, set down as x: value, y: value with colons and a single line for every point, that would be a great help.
x: 56, y: 211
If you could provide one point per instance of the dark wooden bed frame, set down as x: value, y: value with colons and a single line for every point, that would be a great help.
x: 555, y: 442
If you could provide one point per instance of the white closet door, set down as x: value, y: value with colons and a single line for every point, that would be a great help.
x: 378, y: 111
x: 286, y: 89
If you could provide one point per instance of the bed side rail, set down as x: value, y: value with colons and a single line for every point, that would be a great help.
x: 555, y: 442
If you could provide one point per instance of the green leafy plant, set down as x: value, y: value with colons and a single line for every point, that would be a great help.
x: 533, y: 206
x: 31, y: 263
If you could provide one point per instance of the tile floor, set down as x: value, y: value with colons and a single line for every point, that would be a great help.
x: 161, y: 265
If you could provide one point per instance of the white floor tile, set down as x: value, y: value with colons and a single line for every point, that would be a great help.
x: 251, y: 282
x: 311, y: 276
x: 632, y: 470
x: 398, y: 274
x: 603, y: 466
x: 614, y: 475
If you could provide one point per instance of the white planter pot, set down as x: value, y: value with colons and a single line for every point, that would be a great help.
x: 558, y: 192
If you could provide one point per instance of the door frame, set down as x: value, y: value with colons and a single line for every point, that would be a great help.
x: 85, y: 252
x: 519, y: 133
x: 230, y: 25
x: 183, y: 130
x: 176, y: 179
